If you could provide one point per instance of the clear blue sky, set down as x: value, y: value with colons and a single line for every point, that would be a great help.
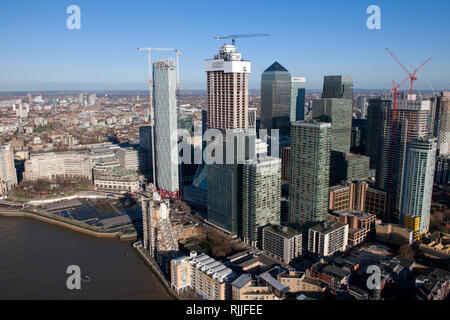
x: 309, y: 38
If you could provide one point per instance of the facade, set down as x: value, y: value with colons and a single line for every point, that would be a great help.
x: 442, y: 173
x: 51, y: 164
x: 348, y: 167
x: 375, y: 110
x: 376, y: 202
x: 283, y: 243
x: 298, y: 98
x: 418, y: 185
x: 165, y: 101
x: 209, y: 278
x: 410, y: 123
x: 227, y: 89
x: 338, y: 112
x: 394, y: 234
x: 361, y: 103
x: 309, y: 172
x: 276, y: 98
x: 340, y: 87
x: 348, y: 196
x: 261, y: 193
x: 299, y: 282
x: 246, y: 288
x: 442, y: 123
x: 327, y: 238
x: 285, y: 161
x: 128, y: 158
x: 361, y: 224
x: 109, y: 176
x: 8, y: 174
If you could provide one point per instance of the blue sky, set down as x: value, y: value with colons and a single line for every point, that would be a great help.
x: 309, y: 38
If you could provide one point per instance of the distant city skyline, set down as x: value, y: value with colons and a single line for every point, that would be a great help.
x: 310, y: 39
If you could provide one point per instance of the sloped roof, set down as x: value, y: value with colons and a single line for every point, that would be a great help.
x: 276, y: 67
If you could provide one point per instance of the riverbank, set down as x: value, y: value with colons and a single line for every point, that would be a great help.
x: 45, y: 217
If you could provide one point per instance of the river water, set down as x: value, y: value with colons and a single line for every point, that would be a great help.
x: 34, y: 257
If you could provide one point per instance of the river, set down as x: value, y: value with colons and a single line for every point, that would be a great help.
x: 34, y: 257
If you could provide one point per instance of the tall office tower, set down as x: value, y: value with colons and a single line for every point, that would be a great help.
x: 225, y: 197
x: 165, y: 102
x: 410, y: 123
x: 8, y: 174
x: 377, y: 107
x: 340, y: 87
x: 442, y: 123
x: 418, y: 185
x: 261, y: 193
x: 309, y: 172
x: 339, y: 113
x: 298, y: 98
x: 227, y: 89
x: 276, y: 98
x: 145, y: 138
x: 362, y: 106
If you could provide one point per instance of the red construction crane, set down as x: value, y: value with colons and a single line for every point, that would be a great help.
x: 412, y: 76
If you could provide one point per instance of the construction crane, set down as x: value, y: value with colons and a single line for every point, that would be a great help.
x: 412, y: 76
x: 235, y: 36
x: 150, y: 84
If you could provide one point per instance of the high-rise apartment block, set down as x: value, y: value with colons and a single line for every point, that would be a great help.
x: 283, y: 243
x: 227, y: 89
x: 261, y: 193
x: 164, y: 79
x: 276, y: 98
x: 309, y: 172
x: 418, y: 185
x: 8, y: 174
x: 327, y: 238
x: 442, y: 123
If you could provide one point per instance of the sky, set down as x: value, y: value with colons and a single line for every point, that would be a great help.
x: 309, y: 38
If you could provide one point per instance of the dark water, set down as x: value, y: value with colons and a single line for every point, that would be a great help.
x: 34, y: 257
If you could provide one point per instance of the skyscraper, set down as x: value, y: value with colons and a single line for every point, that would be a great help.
x: 309, y: 172
x: 377, y: 107
x: 261, y: 192
x: 338, y: 112
x: 8, y: 174
x: 164, y: 79
x: 227, y: 89
x: 418, y: 184
x: 340, y: 87
x: 362, y: 106
x: 442, y: 123
x: 298, y: 97
x: 410, y: 123
x: 276, y: 98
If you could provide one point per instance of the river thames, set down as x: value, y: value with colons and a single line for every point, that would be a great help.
x: 34, y: 257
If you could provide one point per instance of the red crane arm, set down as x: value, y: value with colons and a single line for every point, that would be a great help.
x: 421, y: 66
x: 398, y: 61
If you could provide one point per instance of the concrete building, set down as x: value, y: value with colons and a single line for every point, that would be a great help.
x: 348, y: 167
x: 309, y: 172
x: 348, y: 196
x: 265, y: 287
x: 299, y: 282
x: 110, y: 176
x: 209, y: 278
x: 283, y: 243
x: 8, y: 174
x: 327, y: 238
x: 285, y: 161
x: 376, y: 202
x: 361, y: 224
x: 418, y: 185
x: 128, y: 158
x: 227, y: 89
x: 298, y: 98
x: 52, y: 164
x: 166, y: 142
x: 276, y: 98
x: 394, y: 234
x: 261, y: 193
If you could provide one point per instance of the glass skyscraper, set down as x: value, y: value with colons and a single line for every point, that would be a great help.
x: 276, y: 98
x: 165, y: 102
x: 298, y: 97
x: 340, y: 87
x: 309, y: 172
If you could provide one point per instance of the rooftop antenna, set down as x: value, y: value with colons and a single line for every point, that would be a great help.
x: 235, y: 36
